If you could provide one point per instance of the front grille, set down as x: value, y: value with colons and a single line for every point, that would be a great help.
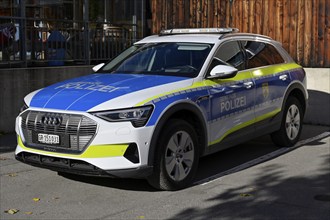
x: 75, y: 131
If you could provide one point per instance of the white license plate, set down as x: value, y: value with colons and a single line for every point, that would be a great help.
x: 48, y: 138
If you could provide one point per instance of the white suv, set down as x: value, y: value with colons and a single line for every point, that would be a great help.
x: 154, y: 110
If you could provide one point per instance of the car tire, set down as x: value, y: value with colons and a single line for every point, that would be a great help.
x: 177, y: 156
x: 291, y: 124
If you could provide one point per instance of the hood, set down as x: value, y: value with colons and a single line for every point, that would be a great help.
x: 84, y: 93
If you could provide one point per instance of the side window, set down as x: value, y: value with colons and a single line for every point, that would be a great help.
x: 230, y: 54
x: 276, y: 55
x: 261, y: 54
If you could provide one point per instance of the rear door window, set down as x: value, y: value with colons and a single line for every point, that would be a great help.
x: 261, y: 54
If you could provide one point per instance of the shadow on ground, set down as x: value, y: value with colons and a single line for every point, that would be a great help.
x: 125, y: 184
x: 271, y: 195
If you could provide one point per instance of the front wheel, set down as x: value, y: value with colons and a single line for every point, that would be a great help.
x: 177, y: 156
x: 291, y: 124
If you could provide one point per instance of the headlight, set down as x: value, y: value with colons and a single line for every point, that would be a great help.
x: 24, y: 107
x: 137, y: 116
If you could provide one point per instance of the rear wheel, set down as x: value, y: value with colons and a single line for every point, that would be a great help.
x: 291, y: 124
x: 176, y: 159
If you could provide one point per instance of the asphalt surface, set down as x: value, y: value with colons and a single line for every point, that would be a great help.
x: 255, y: 180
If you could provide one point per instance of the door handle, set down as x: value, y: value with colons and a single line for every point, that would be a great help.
x: 283, y: 77
x: 248, y: 85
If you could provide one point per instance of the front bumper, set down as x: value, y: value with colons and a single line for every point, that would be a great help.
x: 80, y: 167
x: 108, y: 154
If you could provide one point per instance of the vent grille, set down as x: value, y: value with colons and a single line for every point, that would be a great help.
x: 75, y: 131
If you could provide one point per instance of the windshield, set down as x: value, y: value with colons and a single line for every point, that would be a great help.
x: 178, y: 59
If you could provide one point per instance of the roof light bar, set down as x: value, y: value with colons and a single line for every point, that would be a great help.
x: 198, y: 31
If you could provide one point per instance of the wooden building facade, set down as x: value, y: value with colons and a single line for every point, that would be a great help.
x: 302, y: 26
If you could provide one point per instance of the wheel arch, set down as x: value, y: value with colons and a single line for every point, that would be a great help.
x: 188, y: 112
x: 297, y: 90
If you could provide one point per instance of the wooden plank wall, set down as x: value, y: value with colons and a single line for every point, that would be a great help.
x: 302, y: 26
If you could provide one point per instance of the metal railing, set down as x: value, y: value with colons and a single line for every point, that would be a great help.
x: 28, y: 42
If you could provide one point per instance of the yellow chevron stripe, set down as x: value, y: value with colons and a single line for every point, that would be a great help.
x: 261, y: 72
x: 93, y: 151
x: 245, y: 124
x: 266, y: 71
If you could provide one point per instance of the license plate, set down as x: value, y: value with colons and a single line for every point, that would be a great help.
x: 48, y: 138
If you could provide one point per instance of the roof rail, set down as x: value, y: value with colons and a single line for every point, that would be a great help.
x: 198, y: 31
x: 244, y: 35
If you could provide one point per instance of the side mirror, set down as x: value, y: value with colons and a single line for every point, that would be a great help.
x: 223, y: 72
x: 97, y: 67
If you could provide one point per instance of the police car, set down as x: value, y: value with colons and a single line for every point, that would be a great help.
x: 163, y: 103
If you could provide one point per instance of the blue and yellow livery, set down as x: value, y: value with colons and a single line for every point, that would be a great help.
x: 163, y: 103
